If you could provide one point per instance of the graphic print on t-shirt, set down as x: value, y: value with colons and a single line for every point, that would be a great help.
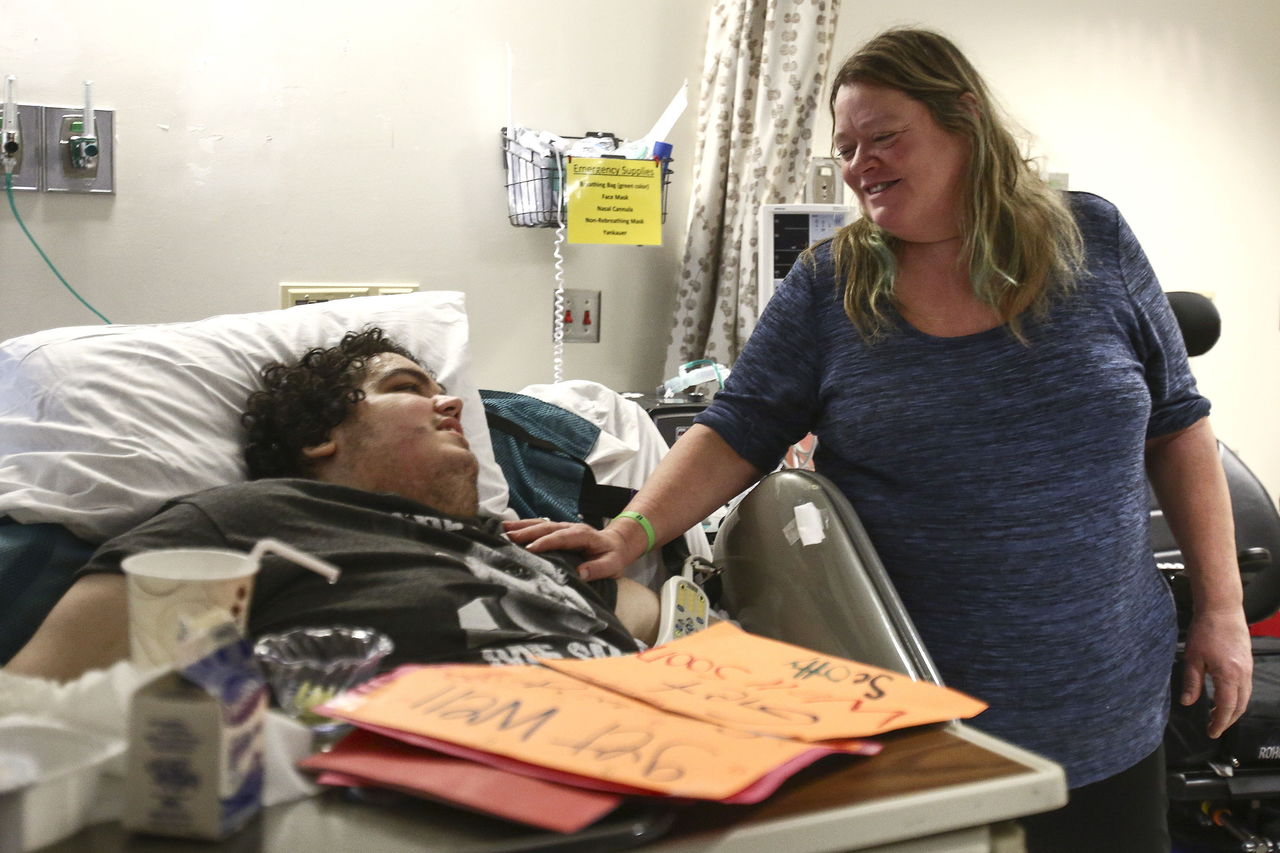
x: 536, y: 599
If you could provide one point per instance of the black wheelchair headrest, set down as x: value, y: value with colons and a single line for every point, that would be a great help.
x: 1197, y: 318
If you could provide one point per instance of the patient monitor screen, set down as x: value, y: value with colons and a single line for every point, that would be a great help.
x: 786, y: 230
x: 791, y: 236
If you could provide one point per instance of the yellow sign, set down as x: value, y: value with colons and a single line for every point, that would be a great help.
x: 614, y: 201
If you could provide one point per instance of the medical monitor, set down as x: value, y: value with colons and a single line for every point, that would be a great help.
x: 786, y: 230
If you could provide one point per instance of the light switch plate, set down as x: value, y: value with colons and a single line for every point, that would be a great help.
x: 582, y: 316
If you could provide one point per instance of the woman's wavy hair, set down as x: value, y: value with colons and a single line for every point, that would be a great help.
x: 301, y: 403
x: 1022, y: 243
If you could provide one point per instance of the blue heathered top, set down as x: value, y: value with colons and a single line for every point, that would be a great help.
x: 1002, y: 484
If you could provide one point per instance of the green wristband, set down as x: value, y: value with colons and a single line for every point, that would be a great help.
x: 643, y: 522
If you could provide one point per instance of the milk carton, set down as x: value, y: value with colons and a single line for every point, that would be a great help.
x: 195, y: 766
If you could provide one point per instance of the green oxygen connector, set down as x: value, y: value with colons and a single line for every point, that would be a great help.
x: 82, y: 148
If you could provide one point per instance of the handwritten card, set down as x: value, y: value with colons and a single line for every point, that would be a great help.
x: 726, y: 676
x: 552, y: 720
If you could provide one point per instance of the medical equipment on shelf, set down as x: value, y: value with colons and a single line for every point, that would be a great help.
x: 694, y: 373
x: 672, y: 415
x: 684, y: 607
x: 786, y: 230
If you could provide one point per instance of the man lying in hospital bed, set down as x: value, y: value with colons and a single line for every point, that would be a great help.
x: 382, y: 484
x: 390, y: 489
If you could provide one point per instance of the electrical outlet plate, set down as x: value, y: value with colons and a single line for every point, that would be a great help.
x: 825, y: 184
x: 27, y: 175
x: 59, y: 173
x: 306, y: 293
x: 582, y: 316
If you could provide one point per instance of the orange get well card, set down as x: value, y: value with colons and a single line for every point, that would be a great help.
x: 721, y: 714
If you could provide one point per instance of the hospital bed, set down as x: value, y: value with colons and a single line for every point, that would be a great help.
x: 946, y: 788
x: 100, y: 425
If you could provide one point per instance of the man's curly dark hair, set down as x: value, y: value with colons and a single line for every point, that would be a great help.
x: 301, y: 403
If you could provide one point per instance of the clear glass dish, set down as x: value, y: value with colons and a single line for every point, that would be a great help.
x: 309, y: 666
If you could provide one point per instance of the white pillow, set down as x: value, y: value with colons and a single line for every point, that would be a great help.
x: 100, y: 425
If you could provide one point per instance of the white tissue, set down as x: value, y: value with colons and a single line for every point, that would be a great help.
x: 285, y: 743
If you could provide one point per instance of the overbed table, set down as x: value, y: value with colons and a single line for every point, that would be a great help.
x: 939, y: 789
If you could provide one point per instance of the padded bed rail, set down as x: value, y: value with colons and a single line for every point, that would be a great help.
x: 832, y: 596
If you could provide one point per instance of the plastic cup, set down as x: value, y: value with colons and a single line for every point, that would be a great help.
x: 176, y: 594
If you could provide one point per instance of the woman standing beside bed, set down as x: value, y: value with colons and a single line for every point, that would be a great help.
x: 991, y: 368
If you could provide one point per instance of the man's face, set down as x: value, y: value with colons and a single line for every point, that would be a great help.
x: 404, y: 437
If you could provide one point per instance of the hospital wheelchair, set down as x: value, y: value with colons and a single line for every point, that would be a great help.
x: 1225, y: 794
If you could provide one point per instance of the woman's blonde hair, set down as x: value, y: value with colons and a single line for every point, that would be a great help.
x: 1020, y: 238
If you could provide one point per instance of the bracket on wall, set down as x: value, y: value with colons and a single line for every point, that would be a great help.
x: 306, y: 293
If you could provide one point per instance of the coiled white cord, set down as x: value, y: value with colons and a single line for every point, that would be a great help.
x: 557, y: 350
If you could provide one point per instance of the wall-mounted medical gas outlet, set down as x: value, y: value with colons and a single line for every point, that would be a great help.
x: 26, y: 174
x: 581, y: 316
x: 303, y: 293
x: 825, y: 185
x: 79, y: 158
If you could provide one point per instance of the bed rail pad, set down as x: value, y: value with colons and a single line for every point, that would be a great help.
x: 832, y: 596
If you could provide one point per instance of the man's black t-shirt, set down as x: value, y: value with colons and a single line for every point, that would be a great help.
x: 443, y: 588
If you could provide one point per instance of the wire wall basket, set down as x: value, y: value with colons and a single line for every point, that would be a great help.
x: 535, y: 184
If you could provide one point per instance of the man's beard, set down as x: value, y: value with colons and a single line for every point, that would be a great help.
x: 454, y: 491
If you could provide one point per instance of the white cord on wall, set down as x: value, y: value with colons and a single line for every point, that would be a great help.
x: 557, y: 350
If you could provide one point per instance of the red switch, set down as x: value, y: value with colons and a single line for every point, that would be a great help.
x: 586, y: 317
x: 568, y: 317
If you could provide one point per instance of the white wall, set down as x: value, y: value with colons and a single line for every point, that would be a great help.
x: 262, y: 142
x: 1171, y: 109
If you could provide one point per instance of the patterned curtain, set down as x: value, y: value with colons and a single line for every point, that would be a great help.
x: 762, y: 81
